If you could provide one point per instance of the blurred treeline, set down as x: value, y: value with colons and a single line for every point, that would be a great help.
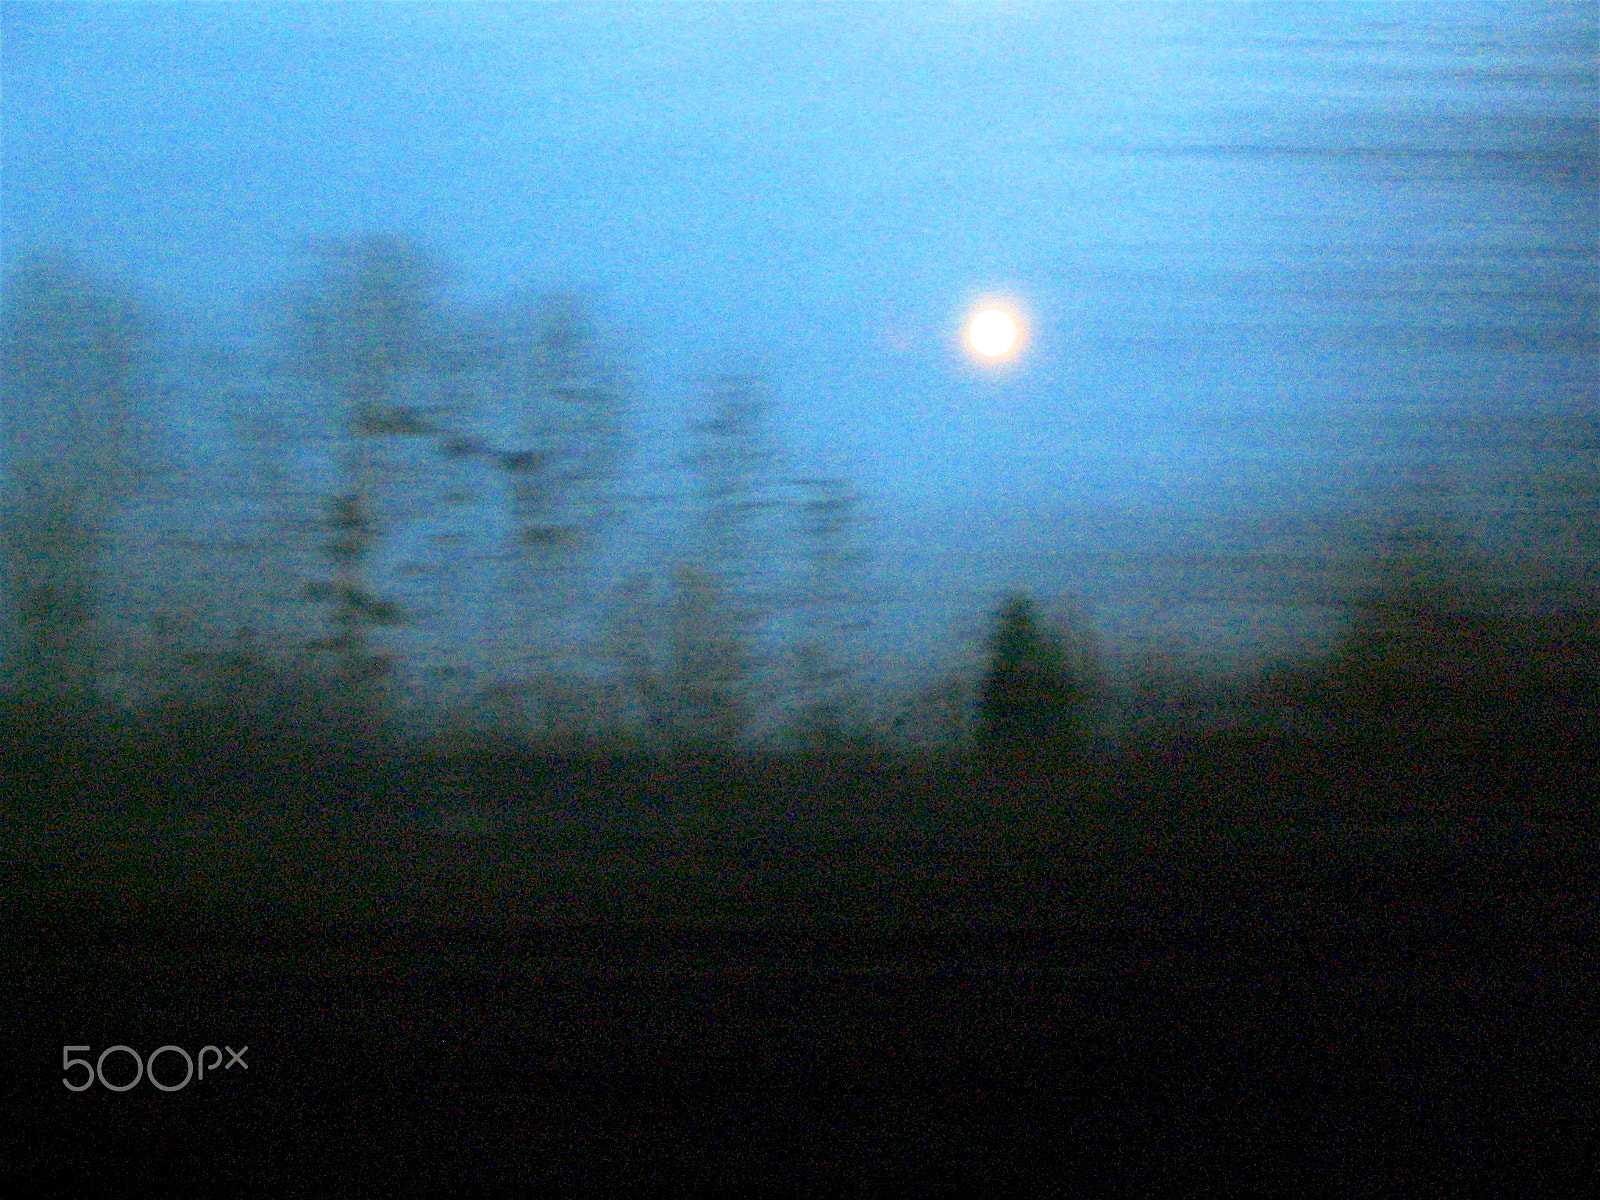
x: 413, y: 544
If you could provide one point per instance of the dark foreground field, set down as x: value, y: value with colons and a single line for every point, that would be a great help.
x: 702, y: 1000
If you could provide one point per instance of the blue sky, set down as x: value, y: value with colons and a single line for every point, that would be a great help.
x: 1270, y: 255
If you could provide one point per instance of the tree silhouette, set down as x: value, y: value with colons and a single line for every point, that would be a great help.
x: 827, y: 598
x: 363, y: 339
x: 1032, y: 696
x: 724, y: 594
x: 562, y: 399
x: 72, y: 424
x: 1431, y: 656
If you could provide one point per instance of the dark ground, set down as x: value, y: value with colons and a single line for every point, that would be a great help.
x: 1430, y: 1036
x: 1172, y: 982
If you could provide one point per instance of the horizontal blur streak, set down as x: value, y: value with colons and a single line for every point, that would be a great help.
x: 1329, y: 269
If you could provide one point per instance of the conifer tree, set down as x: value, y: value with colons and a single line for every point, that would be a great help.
x: 1033, y: 694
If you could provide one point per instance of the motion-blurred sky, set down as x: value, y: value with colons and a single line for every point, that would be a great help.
x: 1275, y: 258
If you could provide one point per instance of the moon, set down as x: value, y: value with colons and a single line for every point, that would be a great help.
x: 992, y: 332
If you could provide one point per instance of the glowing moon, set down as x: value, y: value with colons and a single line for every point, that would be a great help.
x: 992, y: 332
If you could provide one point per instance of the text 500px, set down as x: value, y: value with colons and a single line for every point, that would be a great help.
x: 143, y: 1068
